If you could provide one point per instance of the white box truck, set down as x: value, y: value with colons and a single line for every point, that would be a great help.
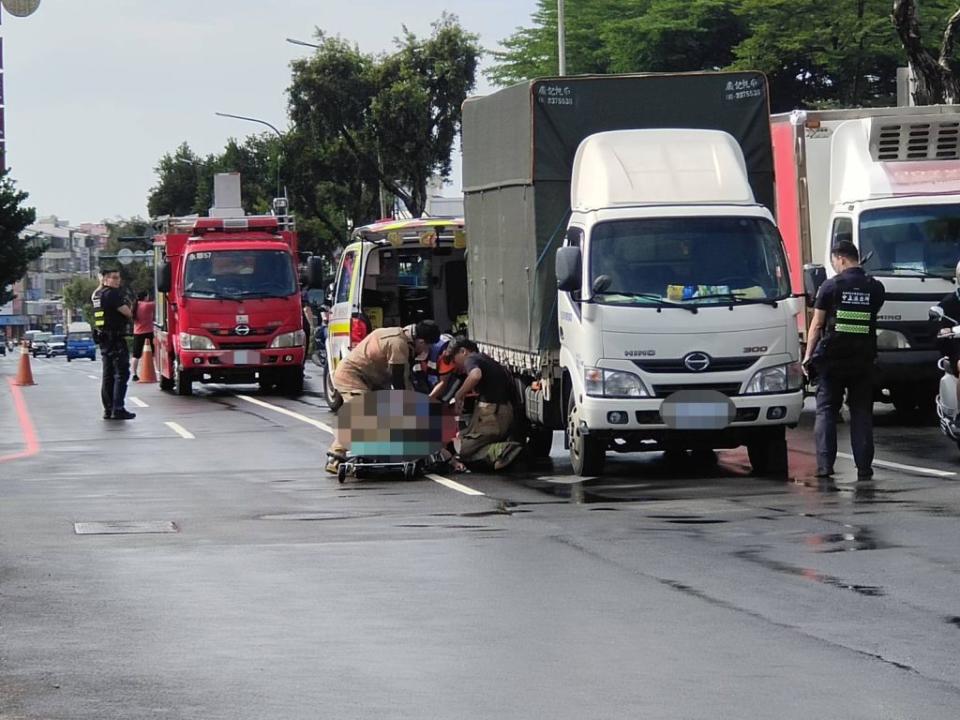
x: 888, y: 179
x: 664, y: 320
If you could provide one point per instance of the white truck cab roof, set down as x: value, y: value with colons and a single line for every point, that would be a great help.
x: 625, y: 168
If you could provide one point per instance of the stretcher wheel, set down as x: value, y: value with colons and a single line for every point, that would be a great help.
x: 342, y: 473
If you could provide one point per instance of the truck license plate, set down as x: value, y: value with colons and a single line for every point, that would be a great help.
x: 244, y: 357
x: 698, y: 410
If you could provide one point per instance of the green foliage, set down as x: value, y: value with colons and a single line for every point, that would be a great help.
x: 380, y: 120
x: 76, y: 296
x: 815, y: 54
x: 15, y: 253
x: 178, y: 176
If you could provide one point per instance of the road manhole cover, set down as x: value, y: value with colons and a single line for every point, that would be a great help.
x: 125, y: 527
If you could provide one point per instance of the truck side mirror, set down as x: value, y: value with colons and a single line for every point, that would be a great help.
x: 315, y: 272
x: 813, y: 277
x: 163, y: 278
x: 569, y: 269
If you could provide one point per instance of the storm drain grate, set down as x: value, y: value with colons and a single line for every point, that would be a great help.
x: 125, y: 527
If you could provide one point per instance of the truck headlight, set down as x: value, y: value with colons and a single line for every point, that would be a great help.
x: 195, y: 342
x: 779, y: 379
x: 613, y: 383
x: 891, y: 340
x: 291, y: 339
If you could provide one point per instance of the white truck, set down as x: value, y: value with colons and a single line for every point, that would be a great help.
x: 886, y: 179
x: 675, y: 324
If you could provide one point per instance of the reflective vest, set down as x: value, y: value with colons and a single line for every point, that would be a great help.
x: 434, y: 366
x: 850, y: 336
x: 98, y: 319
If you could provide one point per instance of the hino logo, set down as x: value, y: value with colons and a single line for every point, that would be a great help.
x: 242, y: 330
x: 696, y: 361
x: 639, y: 353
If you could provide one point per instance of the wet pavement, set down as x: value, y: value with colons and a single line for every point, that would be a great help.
x: 226, y: 576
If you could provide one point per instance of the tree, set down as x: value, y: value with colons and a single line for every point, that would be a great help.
x: 137, y: 276
x: 815, y: 54
x: 936, y: 75
x: 178, y: 178
x: 15, y: 252
x: 396, y: 116
x: 76, y: 296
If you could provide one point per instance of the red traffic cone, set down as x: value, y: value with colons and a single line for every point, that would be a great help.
x: 146, y: 370
x: 24, y: 375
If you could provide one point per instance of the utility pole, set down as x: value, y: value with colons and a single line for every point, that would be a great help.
x: 561, y: 37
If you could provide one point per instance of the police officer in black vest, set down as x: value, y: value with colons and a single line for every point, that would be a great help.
x: 112, y: 316
x: 841, y: 349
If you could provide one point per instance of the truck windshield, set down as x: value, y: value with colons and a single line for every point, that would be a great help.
x: 236, y: 274
x: 691, y: 260
x: 911, y: 240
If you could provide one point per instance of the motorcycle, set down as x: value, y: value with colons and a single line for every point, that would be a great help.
x: 947, y: 409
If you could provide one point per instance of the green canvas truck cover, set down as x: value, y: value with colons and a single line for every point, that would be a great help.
x: 518, y: 150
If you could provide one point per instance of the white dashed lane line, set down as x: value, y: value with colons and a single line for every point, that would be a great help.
x: 453, y: 485
x: 908, y: 468
x: 93, y: 377
x: 138, y: 402
x: 180, y: 430
x: 289, y: 413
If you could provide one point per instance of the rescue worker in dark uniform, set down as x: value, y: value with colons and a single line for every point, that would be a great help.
x: 951, y: 349
x: 112, y: 315
x: 841, y: 349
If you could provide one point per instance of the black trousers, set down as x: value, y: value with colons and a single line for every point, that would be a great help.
x: 859, y: 389
x: 116, y: 373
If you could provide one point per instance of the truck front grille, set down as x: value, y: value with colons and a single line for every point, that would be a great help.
x: 675, y: 365
x: 729, y: 389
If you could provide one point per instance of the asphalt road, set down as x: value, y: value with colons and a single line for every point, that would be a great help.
x: 265, y: 589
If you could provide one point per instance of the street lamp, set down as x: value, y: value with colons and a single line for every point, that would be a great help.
x: 17, y: 8
x: 301, y: 42
x: 279, y: 147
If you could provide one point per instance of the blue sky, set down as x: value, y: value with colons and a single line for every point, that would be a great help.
x: 98, y: 90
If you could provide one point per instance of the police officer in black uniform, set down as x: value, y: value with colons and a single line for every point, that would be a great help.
x: 841, y: 349
x: 112, y: 315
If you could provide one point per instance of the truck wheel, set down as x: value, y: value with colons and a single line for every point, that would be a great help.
x: 588, y: 453
x: 539, y: 442
x: 330, y: 394
x: 182, y: 380
x: 291, y: 384
x: 768, y: 452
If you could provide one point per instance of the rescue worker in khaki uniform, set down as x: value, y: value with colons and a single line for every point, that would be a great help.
x: 380, y: 362
x: 841, y: 348
x: 486, y: 438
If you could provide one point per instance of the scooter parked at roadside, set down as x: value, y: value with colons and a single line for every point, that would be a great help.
x: 947, y: 404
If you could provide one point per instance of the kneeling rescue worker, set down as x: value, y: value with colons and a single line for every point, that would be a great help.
x: 841, y: 349
x: 486, y: 438
x: 381, y: 361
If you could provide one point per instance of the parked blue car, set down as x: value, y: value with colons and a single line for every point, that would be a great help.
x: 80, y: 344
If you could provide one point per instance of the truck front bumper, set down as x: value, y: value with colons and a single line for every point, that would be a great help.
x: 907, y: 367
x: 617, y: 415
x: 243, y: 361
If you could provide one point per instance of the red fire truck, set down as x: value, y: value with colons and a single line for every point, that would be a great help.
x: 228, y: 303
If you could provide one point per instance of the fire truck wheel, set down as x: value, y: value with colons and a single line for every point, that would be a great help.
x: 182, y: 380
x: 291, y: 384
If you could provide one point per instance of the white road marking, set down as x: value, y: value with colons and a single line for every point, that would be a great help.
x: 290, y: 413
x: 180, y: 430
x: 93, y: 377
x: 137, y: 401
x: 908, y: 468
x: 453, y: 485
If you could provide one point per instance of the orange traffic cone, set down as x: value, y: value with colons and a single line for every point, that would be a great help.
x: 24, y: 375
x: 148, y: 373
